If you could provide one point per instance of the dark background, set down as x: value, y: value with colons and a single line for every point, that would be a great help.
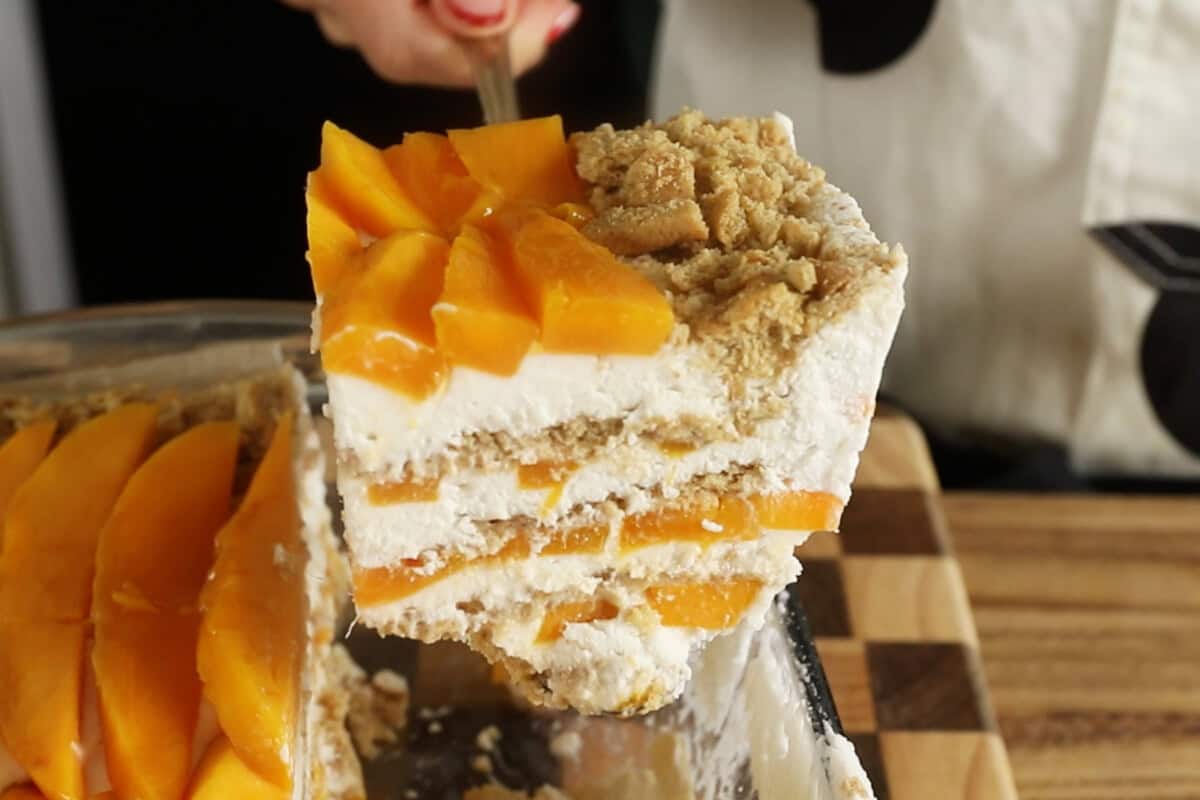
x: 185, y: 131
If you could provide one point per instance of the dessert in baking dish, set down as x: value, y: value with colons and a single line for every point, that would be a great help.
x: 168, y: 589
x: 589, y: 394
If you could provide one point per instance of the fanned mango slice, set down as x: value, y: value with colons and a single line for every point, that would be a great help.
x: 333, y: 245
x: 558, y: 618
x: 480, y: 319
x: 46, y: 568
x: 432, y: 173
x: 584, y: 299
x: 145, y: 665
x: 355, y: 177
x: 18, y: 457
x: 54, y: 519
x: 222, y: 775
x: 704, y: 604
x: 254, y: 610
x: 379, y: 326
x: 41, y: 670
x: 730, y: 518
x: 798, y: 511
x: 526, y: 161
x: 153, y: 556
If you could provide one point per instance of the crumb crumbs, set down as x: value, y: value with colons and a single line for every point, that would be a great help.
x: 487, y: 738
x: 566, y: 746
x: 710, y: 526
x: 746, y: 238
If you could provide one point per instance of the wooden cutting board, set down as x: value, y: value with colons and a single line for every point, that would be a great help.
x: 889, y: 612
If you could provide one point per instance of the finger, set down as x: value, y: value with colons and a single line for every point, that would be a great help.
x: 475, y: 18
x: 542, y: 22
x: 403, y: 43
x: 333, y: 28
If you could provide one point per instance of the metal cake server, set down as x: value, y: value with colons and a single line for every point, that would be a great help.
x: 493, y: 78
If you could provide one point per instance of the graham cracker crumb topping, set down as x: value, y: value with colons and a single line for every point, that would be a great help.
x: 751, y: 245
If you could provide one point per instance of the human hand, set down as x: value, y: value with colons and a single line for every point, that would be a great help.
x: 418, y: 41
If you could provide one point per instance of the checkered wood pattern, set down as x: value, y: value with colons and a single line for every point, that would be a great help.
x: 889, y: 613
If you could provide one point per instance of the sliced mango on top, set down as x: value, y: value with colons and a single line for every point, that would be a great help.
x: 54, y: 518
x: 51, y: 527
x: 426, y: 165
x: 22, y: 791
x: 222, y: 775
x: 379, y: 326
x: 333, y: 245
x: 252, y: 636
x: 358, y: 183
x: 528, y: 161
x: 19, y: 456
x: 584, y: 299
x: 480, y: 318
x: 154, y: 554
x: 41, y: 670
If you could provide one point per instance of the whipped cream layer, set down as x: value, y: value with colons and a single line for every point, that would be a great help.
x: 618, y: 663
x: 813, y: 445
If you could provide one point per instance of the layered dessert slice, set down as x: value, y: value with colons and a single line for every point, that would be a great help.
x: 169, y: 583
x: 589, y: 395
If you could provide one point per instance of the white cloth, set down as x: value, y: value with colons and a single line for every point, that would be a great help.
x: 988, y: 149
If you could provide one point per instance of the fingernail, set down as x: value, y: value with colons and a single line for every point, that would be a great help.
x: 478, y: 12
x: 562, y: 23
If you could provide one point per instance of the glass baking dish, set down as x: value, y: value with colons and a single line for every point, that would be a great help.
x: 756, y: 721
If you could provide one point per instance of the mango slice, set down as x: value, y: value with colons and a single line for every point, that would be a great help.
x: 558, y: 618
x: 384, y: 494
x: 252, y: 638
x: 480, y: 319
x: 22, y: 791
x: 18, y: 457
x: 333, y: 245
x: 798, y: 511
x: 378, y: 325
x: 356, y: 179
x: 222, y: 775
x: 526, y: 161
x: 729, y: 518
x: 706, y: 604
x: 432, y: 173
x: 153, y: 556
x: 583, y: 298
x: 41, y: 670
x: 46, y: 568
x: 544, y: 474
x: 375, y: 586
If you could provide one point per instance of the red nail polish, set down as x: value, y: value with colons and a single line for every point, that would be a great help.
x: 473, y: 16
x: 563, y: 23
